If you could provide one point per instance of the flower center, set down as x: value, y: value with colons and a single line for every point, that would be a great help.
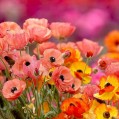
x: 13, y: 89
x: 61, y: 77
x: 27, y: 63
x: 79, y: 70
x: 73, y: 85
x: 107, y: 84
x: 52, y: 59
x: 89, y: 54
x: 106, y: 115
x: 50, y: 74
x: 117, y: 42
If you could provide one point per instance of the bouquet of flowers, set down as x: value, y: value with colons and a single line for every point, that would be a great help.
x: 40, y: 79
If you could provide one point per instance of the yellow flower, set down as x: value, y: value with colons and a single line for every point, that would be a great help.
x: 81, y: 71
x: 109, y: 88
x: 106, y: 112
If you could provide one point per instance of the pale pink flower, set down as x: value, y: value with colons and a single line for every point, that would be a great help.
x: 89, y: 48
x: 63, y: 79
x: 112, y: 69
x: 104, y: 62
x: 17, y: 39
x: 43, y: 46
x: 38, y: 33
x: 90, y: 90
x: 61, y: 29
x: 8, y: 26
x: 31, y: 21
x: 26, y: 66
x: 12, y: 89
x: 3, y: 46
x: 53, y: 56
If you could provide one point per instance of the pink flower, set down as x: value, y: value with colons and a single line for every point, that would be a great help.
x: 38, y: 33
x: 53, y: 57
x: 3, y: 46
x: 12, y: 89
x: 112, y: 69
x: 61, y: 30
x: 90, y: 90
x: 34, y: 21
x: 63, y: 79
x: 26, y: 66
x: 43, y: 46
x: 8, y: 26
x: 17, y: 39
x: 89, y: 48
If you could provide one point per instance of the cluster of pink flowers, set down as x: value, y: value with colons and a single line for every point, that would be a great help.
x: 54, y: 82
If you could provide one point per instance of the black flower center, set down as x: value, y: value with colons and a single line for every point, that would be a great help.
x: 79, y: 70
x: 73, y: 85
x: 9, y: 60
x: 107, y: 84
x: 106, y: 115
x: 27, y: 63
x: 50, y: 74
x: 61, y: 77
x: 52, y: 59
x: 13, y: 89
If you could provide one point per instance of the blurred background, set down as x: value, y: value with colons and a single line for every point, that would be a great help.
x: 93, y: 18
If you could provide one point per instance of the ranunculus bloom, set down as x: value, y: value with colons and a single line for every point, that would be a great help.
x: 8, y: 26
x: 17, y: 39
x: 90, y: 89
x: 112, y: 41
x: 43, y: 46
x: 63, y: 80
x: 3, y: 46
x: 89, y: 48
x: 108, y: 88
x: 103, y: 111
x: 26, y: 66
x: 52, y: 57
x: 112, y: 68
x: 40, y: 22
x: 38, y: 33
x: 61, y: 30
x: 12, y: 89
x: 74, y: 107
x: 79, y: 71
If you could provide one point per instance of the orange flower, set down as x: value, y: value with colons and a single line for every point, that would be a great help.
x: 74, y: 107
x: 112, y: 41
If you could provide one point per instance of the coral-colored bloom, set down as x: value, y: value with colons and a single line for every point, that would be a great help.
x: 38, y: 33
x: 26, y: 66
x: 90, y: 89
x: 43, y: 46
x: 74, y: 107
x: 79, y: 71
x: 8, y: 26
x: 112, y: 41
x: 3, y: 46
x: 17, y: 39
x: 52, y: 57
x: 61, y: 30
x: 40, y: 22
x: 109, y: 88
x: 106, y: 112
x: 12, y: 89
x: 89, y: 48
x: 112, y: 69
x: 63, y: 80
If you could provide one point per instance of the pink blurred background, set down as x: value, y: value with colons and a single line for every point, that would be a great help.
x: 93, y: 18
